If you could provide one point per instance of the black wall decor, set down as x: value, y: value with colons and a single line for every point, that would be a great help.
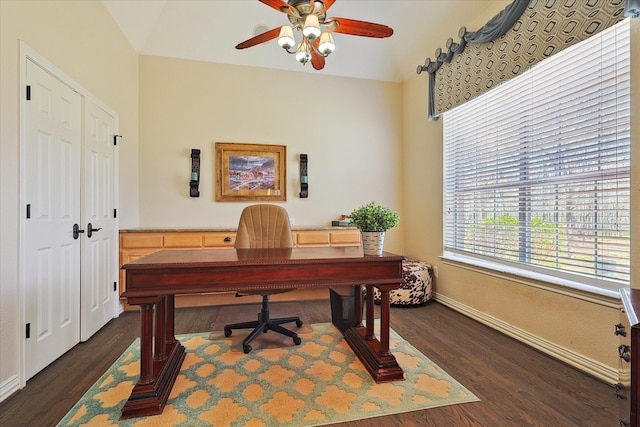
x: 195, y: 173
x: 304, y: 177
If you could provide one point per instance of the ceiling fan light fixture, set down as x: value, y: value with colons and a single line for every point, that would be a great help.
x: 310, y: 18
x: 286, y: 40
x: 311, y: 29
x: 326, y: 45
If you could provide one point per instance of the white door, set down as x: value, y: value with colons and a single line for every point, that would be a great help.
x: 52, y: 195
x: 100, y: 242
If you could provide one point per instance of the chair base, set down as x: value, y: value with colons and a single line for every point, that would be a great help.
x: 264, y: 324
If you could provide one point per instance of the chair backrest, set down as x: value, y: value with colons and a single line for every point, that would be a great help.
x: 264, y: 226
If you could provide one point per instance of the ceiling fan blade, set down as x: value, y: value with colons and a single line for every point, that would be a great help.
x: 358, y: 28
x: 317, y: 60
x: 260, y: 38
x: 279, y: 5
x: 327, y: 4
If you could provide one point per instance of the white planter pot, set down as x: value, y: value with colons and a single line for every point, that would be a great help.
x: 372, y: 242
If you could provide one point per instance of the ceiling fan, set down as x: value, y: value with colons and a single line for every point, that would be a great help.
x: 309, y: 17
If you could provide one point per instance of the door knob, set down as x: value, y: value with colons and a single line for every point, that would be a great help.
x: 76, y: 231
x: 91, y: 230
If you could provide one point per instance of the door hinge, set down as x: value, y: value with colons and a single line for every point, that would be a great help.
x: 27, y: 333
x: 115, y: 139
x: 28, y: 92
x: 28, y: 210
x: 115, y: 213
x: 115, y: 286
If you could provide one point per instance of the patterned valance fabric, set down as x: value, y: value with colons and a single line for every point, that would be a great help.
x: 545, y: 27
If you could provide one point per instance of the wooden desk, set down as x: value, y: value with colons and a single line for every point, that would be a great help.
x: 154, y: 280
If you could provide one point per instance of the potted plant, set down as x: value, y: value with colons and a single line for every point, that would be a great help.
x: 373, y: 220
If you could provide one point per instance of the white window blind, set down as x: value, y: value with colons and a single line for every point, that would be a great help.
x: 537, y: 170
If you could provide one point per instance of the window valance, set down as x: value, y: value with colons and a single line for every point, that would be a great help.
x: 521, y: 35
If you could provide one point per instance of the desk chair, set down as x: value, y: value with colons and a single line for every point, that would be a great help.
x: 264, y: 226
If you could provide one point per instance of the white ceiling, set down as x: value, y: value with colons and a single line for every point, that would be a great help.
x: 208, y: 30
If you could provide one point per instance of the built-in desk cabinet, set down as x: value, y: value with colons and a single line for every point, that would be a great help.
x: 135, y: 244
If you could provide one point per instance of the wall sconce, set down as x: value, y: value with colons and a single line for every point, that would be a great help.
x: 195, y: 173
x: 304, y: 177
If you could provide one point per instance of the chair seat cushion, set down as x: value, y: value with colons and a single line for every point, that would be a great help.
x: 416, y: 288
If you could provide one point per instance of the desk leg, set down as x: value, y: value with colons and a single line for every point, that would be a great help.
x: 146, y: 344
x: 357, y: 297
x: 171, y: 325
x: 374, y: 354
x: 385, y: 316
x: 158, y: 372
x: 370, y: 335
x: 160, y: 350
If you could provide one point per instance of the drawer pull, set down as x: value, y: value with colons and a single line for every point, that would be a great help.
x: 620, y: 330
x: 620, y: 391
x: 227, y: 239
x: 625, y: 353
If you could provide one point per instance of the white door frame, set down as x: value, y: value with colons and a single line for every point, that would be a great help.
x: 27, y: 53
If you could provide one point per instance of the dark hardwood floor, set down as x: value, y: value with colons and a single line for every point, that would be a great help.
x: 517, y: 385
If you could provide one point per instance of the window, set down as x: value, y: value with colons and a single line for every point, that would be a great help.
x: 537, y: 170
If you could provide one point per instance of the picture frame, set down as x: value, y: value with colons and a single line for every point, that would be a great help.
x: 250, y: 172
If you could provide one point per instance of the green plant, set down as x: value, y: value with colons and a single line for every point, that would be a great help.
x: 374, y: 217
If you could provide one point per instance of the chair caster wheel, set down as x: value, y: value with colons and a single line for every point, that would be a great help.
x: 246, y: 348
x: 297, y: 341
x: 227, y: 332
x: 298, y: 323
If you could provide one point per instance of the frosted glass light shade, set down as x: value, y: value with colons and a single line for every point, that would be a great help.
x: 326, y: 45
x: 286, y: 40
x: 302, y: 56
x: 311, y: 28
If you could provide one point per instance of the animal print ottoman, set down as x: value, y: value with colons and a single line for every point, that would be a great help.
x: 416, y: 288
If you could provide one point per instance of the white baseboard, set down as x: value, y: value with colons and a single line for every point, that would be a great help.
x: 8, y: 387
x: 589, y: 366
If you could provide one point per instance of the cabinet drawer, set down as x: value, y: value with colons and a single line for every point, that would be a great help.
x: 183, y: 240
x: 141, y: 240
x: 132, y: 255
x: 312, y: 238
x: 219, y: 240
x: 345, y: 238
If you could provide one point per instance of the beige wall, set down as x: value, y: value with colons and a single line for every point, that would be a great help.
x: 351, y: 129
x: 82, y: 40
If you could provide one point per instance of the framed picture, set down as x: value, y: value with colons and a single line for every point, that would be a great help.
x: 250, y: 172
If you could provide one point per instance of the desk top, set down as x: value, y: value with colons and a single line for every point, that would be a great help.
x: 186, y: 258
x: 211, y: 270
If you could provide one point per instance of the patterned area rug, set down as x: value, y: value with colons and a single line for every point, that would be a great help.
x: 279, y: 384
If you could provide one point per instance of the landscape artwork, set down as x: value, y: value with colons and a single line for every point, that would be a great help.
x: 250, y: 172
